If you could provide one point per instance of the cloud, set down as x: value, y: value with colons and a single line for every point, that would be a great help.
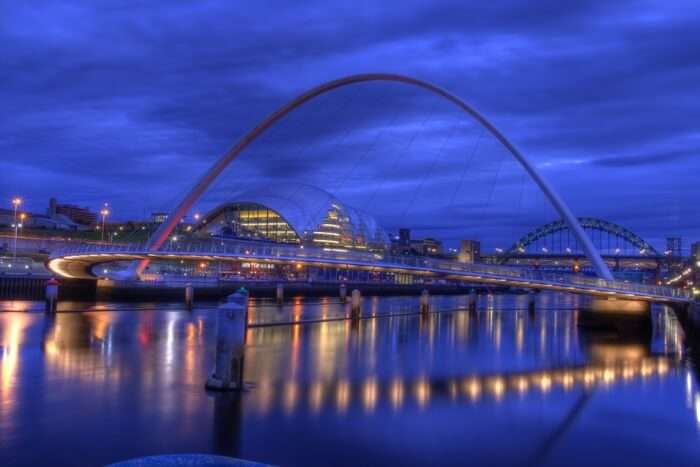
x: 131, y: 104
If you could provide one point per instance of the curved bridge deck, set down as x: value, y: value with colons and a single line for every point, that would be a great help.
x: 78, y: 262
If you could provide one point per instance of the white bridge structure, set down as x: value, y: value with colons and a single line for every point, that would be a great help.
x: 87, y: 260
x: 78, y: 262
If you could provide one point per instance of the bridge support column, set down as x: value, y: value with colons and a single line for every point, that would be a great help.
x: 343, y: 293
x: 230, y: 344
x: 279, y: 294
x: 356, y: 304
x: 189, y: 296
x: 51, y: 295
x: 425, y: 302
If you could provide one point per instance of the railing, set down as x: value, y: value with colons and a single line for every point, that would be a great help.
x: 251, y: 250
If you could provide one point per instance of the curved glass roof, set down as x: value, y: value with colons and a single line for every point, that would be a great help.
x: 307, y: 210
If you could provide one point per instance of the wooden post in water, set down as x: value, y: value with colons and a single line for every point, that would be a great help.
x: 189, y: 296
x: 531, y: 296
x: 356, y: 304
x: 279, y: 293
x: 51, y: 295
x: 425, y: 302
x: 472, y: 300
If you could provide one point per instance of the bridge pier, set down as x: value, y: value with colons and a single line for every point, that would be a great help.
x: 356, y: 304
x: 230, y: 344
x: 425, y: 302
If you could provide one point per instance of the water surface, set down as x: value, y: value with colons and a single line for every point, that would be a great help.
x: 98, y: 383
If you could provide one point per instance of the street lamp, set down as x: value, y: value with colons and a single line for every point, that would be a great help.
x: 104, y: 212
x: 16, y: 201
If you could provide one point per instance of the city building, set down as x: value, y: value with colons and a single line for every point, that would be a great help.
x: 159, y: 217
x: 469, y: 251
x: 39, y: 221
x: 426, y: 247
x: 79, y: 215
x: 695, y: 251
x: 298, y: 215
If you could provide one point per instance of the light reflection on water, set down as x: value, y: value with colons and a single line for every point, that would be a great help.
x: 398, y: 388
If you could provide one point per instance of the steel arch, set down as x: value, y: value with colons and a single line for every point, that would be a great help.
x: 587, y: 223
x: 161, y: 235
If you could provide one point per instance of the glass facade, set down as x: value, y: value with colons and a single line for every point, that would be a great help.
x: 252, y: 222
x: 308, y: 217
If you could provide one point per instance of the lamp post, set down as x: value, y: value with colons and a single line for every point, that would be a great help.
x: 15, y: 203
x: 104, y: 212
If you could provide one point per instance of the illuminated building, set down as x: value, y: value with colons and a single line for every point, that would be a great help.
x: 159, y: 217
x: 295, y: 214
x: 469, y: 251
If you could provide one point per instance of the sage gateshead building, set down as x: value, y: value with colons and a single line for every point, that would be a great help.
x: 294, y: 214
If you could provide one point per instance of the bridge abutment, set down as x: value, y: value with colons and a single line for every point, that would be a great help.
x: 624, y: 317
x: 620, y: 306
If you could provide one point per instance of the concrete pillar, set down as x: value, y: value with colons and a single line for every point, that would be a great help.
x: 356, y: 304
x: 51, y: 295
x: 279, y: 294
x: 343, y: 293
x: 230, y: 344
x: 189, y: 296
x: 425, y: 301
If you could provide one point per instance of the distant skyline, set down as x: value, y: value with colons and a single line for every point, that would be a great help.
x: 129, y: 103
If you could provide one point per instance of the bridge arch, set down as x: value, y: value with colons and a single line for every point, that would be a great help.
x: 161, y: 234
x: 590, y: 223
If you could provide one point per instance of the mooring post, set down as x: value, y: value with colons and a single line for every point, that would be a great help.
x: 356, y: 304
x: 531, y: 300
x: 279, y: 293
x: 51, y: 295
x: 189, y: 296
x: 230, y: 344
x: 424, y: 302
x: 343, y: 293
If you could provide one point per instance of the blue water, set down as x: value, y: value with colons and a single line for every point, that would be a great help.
x: 99, y: 383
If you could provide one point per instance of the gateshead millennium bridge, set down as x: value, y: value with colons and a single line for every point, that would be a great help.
x: 80, y: 262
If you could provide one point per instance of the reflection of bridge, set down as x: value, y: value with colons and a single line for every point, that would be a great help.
x: 372, y: 392
x: 79, y: 262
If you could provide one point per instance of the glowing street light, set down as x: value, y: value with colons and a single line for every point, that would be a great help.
x: 197, y: 216
x: 104, y: 212
x: 16, y: 201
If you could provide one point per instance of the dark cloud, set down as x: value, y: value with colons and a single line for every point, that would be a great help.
x: 129, y: 102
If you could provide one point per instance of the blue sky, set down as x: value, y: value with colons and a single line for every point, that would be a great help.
x: 128, y: 102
